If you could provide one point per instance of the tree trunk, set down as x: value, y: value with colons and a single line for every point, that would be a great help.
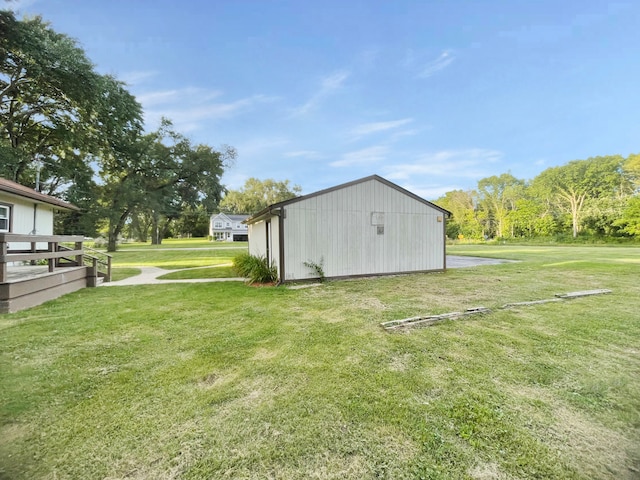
x: 156, y: 234
x: 115, y: 230
x: 111, y: 244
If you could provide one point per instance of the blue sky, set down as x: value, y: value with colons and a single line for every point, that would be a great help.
x: 432, y: 95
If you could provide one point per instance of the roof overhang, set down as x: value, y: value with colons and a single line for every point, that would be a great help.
x: 13, y: 188
x: 271, y: 211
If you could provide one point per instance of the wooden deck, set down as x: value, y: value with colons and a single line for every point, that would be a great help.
x: 24, y: 285
x: 30, y: 286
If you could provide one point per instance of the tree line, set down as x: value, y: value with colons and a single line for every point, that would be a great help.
x: 82, y: 134
x: 599, y: 196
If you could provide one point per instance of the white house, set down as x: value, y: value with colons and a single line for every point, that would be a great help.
x: 25, y: 211
x: 366, y: 227
x: 228, y: 228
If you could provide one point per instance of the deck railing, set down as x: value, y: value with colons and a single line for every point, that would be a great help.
x: 12, y: 249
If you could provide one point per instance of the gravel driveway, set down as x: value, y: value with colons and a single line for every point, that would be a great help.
x: 458, y: 261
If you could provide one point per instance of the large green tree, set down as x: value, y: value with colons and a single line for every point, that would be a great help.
x: 573, y: 185
x: 157, y: 175
x: 498, y: 196
x: 257, y: 194
x: 629, y: 220
x: 464, y: 220
x: 49, y: 96
x: 632, y: 169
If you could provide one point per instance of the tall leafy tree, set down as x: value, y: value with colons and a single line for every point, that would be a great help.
x: 157, y: 174
x: 629, y: 221
x: 464, y: 221
x: 258, y: 194
x: 632, y: 169
x: 49, y: 92
x: 571, y: 186
x: 498, y: 196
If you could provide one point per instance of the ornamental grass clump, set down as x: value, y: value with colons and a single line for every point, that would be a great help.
x: 256, y: 268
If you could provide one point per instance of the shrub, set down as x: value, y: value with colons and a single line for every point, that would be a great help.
x: 256, y: 269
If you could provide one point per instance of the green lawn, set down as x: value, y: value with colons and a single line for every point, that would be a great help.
x: 225, y: 380
x: 175, y: 254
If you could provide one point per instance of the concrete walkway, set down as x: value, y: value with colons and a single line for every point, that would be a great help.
x: 149, y: 275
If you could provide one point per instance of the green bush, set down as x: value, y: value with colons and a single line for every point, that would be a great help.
x: 256, y: 269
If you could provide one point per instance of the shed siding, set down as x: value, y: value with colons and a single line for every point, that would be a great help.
x: 258, y: 240
x: 336, y: 228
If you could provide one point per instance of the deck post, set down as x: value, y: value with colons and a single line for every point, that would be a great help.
x: 53, y: 246
x: 79, y: 259
x: 3, y: 263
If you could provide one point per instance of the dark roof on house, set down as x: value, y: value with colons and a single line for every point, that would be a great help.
x: 232, y: 216
x: 238, y: 218
x: 266, y: 211
x: 14, y: 188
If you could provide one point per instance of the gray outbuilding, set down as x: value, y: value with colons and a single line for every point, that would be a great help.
x: 366, y: 227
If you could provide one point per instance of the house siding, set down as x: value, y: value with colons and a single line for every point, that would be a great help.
x: 21, y: 221
x: 336, y: 228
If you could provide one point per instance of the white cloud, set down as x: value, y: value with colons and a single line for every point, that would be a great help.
x: 177, y: 96
x: 470, y: 163
x: 429, y: 192
x: 302, y: 154
x: 187, y: 107
x: 137, y: 77
x: 404, y: 133
x: 369, y: 128
x: 258, y: 146
x: 365, y: 156
x: 443, y: 61
x: 18, y: 5
x: 328, y: 85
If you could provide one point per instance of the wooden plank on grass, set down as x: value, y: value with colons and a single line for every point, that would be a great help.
x: 426, y: 321
x: 533, y: 302
x: 584, y: 293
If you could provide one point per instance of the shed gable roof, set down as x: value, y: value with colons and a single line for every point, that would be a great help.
x: 14, y: 188
x: 267, y: 211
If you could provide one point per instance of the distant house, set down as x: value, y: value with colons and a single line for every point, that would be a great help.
x: 25, y: 211
x: 366, y: 227
x: 228, y: 228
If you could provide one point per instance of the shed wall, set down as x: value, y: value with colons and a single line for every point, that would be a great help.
x: 258, y: 239
x: 340, y: 228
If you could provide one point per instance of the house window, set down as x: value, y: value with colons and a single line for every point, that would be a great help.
x: 228, y: 224
x: 4, y: 218
x: 217, y: 224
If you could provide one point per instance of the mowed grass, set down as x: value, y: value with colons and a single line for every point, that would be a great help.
x: 176, y: 254
x: 224, y: 380
x: 221, y: 271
